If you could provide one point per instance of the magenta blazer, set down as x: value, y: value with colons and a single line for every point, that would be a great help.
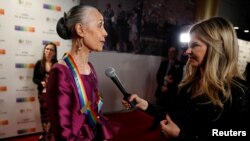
x: 67, y: 123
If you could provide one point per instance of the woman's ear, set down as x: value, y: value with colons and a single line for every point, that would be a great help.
x: 80, y: 29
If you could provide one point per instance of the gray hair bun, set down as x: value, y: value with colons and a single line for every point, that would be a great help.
x: 62, y: 30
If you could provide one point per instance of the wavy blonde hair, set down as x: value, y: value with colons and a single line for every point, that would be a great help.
x: 220, y: 64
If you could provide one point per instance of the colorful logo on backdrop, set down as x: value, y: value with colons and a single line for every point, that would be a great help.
x: 4, y: 122
x: 24, y: 16
x: 24, y: 42
x: 51, y: 20
x: 25, y: 89
x: 26, y: 3
x: 1, y: 11
x: 52, y: 7
x: 24, y: 28
x: 25, y: 54
x: 2, y: 51
x: 26, y: 121
x: 26, y: 78
x: 25, y: 99
x: 23, y: 131
x: 26, y: 110
x: 3, y: 88
x: 55, y: 42
x: 23, y: 65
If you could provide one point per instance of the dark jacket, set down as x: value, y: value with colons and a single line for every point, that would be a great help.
x: 176, y: 71
x: 197, y: 121
x: 39, y: 75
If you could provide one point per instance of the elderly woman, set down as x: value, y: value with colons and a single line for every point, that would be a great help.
x: 73, y: 88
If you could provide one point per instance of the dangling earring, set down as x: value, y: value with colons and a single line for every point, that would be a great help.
x: 79, y: 48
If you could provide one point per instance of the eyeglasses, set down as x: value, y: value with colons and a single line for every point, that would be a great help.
x: 50, y: 49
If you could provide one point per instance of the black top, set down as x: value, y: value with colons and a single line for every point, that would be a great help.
x: 176, y: 72
x: 197, y: 120
x: 39, y: 75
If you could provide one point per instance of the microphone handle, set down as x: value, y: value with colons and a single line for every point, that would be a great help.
x: 126, y: 95
x: 121, y: 88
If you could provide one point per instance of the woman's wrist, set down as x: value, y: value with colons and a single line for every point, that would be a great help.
x: 144, y: 106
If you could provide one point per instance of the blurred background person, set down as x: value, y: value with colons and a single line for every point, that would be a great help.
x: 108, y: 15
x: 40, y: 76
x: 133, y: 30
x: 73, y: 86
x: 121, y: 29
x: 168, y: 77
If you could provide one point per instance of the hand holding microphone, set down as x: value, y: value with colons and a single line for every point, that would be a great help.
x: 110, y: 72
x: 140, y: 103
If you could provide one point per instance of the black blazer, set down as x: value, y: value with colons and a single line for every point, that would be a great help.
x: 39, y: 75
x: 176, y: 71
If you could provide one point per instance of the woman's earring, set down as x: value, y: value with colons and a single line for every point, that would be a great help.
x: 79, y: 49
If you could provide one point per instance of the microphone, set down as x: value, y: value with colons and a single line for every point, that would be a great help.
x: 110, y: 72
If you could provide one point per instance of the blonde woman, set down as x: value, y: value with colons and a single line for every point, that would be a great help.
x: 213, y: 97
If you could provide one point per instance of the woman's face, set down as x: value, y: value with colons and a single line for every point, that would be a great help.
x: 196, y: 50
x: 95, y: 33
x: 49, y: 52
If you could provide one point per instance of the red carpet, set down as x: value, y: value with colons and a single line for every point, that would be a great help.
x: 134, y: 127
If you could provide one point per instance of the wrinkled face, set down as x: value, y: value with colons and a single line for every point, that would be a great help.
x: 196, y: 50
x: 95, y: 33
x: 49, y: 52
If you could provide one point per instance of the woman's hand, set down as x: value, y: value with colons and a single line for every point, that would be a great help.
x: 140, y: 103
x: 169, y: 128
x: 43, y: 84
x: 169, y: 79
x: 164, y: 88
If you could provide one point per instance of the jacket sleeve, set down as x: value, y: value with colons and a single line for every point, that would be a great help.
x: 161, y: 73
x: 36, y: 79
x: 156, y: 111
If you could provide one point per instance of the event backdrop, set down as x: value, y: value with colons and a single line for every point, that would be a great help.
x: 25, y: 26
